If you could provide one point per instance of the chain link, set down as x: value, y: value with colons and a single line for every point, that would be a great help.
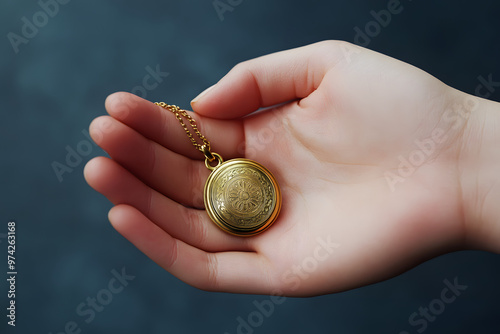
x: 179, y: 113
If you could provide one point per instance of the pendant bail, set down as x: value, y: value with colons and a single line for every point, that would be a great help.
x: 208, y: 154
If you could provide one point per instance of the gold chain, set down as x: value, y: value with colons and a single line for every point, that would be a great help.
x: 179, y: 113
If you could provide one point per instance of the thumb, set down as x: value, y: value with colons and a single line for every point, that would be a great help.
x: 269, y: 80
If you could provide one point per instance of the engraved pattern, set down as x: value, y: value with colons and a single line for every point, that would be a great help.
x: 243, y: 196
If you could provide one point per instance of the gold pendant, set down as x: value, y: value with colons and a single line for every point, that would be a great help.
x: 241, y: 196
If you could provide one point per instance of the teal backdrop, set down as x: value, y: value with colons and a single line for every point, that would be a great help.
x: 59, y: 61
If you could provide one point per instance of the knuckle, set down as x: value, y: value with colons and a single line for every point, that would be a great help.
x: 241, y: 67
x: 197, y: 228
x: 171, y: 255
x: 212, y: 272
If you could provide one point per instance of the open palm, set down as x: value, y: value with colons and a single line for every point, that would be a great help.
x: 364, y: 148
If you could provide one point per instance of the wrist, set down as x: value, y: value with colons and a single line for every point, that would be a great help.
x: 479, y: 175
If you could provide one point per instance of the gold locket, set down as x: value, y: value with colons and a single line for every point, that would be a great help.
x: 241, y: 196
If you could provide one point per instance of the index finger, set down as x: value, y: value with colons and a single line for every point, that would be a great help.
x: 161, y: 126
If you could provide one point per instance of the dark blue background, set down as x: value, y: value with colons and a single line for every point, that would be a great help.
x: 56, y: 84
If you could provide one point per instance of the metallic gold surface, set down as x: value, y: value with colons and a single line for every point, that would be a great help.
x: 242, y: 197
x: 179, y: 113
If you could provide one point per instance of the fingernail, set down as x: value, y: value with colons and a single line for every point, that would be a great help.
x: 196, y: 99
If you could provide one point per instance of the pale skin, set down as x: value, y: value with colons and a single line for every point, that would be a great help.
x: 341, y: 120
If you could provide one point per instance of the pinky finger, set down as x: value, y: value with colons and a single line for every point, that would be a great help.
x: 241, y: 272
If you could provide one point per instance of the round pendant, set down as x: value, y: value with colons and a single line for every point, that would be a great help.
x: 242, y: 197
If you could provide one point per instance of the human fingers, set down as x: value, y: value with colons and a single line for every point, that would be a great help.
x: 161, y: 126
x: 173, y: 175
x: 270, y: 80
x: 231, y: 271
x: 189, y: 225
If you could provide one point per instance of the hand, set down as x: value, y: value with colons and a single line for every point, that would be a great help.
x: 366, y: 149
